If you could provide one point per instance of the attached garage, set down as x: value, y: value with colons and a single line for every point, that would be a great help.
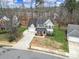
x: 32, y: 28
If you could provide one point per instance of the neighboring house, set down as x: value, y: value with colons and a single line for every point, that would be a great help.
x: 15, y: 21
x: 41, y: 26
x: 73, y: 41
x: 56, y: 15
x: 5, y: 22
x: 73, y: 32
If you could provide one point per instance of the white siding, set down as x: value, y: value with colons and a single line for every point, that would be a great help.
x: 32, y: 28
x: 49, y: 23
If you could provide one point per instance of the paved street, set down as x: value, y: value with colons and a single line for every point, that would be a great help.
x: 25, y: 41
x: 21, y: 54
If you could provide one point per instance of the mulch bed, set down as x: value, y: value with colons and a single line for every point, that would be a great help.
x: 46, y: 43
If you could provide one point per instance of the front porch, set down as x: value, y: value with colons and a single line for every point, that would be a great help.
x: 41, y: 31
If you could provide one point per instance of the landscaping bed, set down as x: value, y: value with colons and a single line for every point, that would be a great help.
x: 46, y: 43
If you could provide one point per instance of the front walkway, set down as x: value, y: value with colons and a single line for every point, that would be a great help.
x: 24, y: 43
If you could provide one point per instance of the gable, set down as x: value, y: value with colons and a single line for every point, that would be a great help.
x: 32, y: 26
x: 49, y: 23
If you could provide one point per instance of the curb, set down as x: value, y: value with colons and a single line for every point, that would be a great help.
x: 65, y: 54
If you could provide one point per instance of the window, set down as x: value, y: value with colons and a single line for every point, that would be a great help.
x: 50, y: 27
x: 44, y: 32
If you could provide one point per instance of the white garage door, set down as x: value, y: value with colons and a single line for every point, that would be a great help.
x: 31, y: 29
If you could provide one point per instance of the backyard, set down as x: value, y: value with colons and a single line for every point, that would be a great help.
x: 57, y: 41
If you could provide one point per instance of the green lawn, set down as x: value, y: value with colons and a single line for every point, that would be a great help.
x: 59, y: 36
x: 3, y: 31
x: 22, y: 29
x: 4, y: 37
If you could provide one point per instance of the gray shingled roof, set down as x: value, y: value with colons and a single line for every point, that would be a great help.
x: 37, y: 21
x: 72, y: 27
x: 73, y: 30
x: 32, y: 21
x: 74, y: 33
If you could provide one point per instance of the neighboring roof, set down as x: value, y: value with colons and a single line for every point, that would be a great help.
x: 5, y: 18
x: 73, y: 30
x: 41, y: 29
x: 72, y: 27
x: 74, y: 33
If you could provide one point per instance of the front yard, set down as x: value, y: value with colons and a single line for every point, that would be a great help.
x: 4, y: 41
x: 4, y: 35
x: 55, y: 42
x: 60, y: 36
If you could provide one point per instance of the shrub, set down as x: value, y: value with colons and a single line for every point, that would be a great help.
x: 3, y: 31
x: 12, y: 38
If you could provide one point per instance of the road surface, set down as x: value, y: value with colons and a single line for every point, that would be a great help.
x: 10, y: 53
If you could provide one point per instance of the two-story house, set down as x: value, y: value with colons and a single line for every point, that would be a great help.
x: 41, y: 26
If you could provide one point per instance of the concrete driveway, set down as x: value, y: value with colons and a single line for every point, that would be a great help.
x: 21, y: 54
x: 25, y: 41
